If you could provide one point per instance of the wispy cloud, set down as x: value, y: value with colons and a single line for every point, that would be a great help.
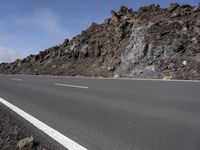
x: 8, y: 38
x: 46, y: 21
x: 8, y: 55
x: 26, y: 33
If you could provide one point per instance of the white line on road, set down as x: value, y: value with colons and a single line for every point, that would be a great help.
x: 16, y: 79
x: 60, y: 138
x: 69, y: 85
x: 110, y: 78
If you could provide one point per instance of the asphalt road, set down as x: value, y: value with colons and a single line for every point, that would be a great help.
x: 106, y: 114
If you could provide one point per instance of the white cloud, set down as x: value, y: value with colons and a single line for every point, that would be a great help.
x: 46, y: 21
x: 50, y: 23
x: 29, y: 32
x: 8, y: 55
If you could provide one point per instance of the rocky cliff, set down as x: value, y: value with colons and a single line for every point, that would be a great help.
x: 149, y: 43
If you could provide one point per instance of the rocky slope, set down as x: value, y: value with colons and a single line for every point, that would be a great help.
x: 149, y: 43
x: 11, y: 132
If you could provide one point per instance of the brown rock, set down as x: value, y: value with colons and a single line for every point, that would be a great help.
x: 197, y: 8
x: 173, y: 6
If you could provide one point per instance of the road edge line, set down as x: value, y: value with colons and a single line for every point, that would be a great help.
x: 57, y: 136
x: 110, y: 78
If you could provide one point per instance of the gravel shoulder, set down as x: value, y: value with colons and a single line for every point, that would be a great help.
x: 11, y: 132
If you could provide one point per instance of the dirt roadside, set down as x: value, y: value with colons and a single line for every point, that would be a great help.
x: 11, y: 133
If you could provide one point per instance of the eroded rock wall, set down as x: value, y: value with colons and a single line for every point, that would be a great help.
x: 149, y: 43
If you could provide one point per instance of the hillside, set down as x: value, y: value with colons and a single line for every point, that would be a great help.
x: 149, y: 43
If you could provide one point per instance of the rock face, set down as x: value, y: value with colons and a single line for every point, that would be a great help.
x: 149, y: 43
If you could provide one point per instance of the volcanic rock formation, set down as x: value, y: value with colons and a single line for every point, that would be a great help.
x: 149, y: 43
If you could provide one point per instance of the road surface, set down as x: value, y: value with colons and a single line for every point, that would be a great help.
x: 110, y: 114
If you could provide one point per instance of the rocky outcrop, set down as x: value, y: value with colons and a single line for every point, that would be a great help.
x: 149, y: 43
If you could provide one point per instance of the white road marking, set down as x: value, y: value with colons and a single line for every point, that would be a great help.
x: 69, y: 85
x: 60, y: 138
x: 110, y: 78
x: 16, y: 79
x: 133, y: 79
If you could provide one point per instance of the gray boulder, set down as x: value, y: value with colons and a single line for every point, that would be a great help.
x: 173, y: 6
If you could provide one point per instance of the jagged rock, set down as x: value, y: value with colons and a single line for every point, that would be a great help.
x: 186, y: 6
x: 197, y: 8
x: 177, y: 46
x: 175, y: 14
x: 112, y: 68
x: 124, y: 10
x: 172, y: 49
x: 85, y: 53
x: 37, y: 57
x: 150, y: 43
x: 76, y: 54
x: 173, y: 6
x: 150, y: 8
x: 115, y: 17
x: 97, y: 52
x: 197, y: 23
x: 66, y: 42
x: 196, y: 40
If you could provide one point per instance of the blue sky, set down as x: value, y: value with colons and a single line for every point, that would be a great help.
x: 29, y: 26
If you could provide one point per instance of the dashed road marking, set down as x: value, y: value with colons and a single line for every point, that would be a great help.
x: 16, y: 79
x: 69, y: 85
